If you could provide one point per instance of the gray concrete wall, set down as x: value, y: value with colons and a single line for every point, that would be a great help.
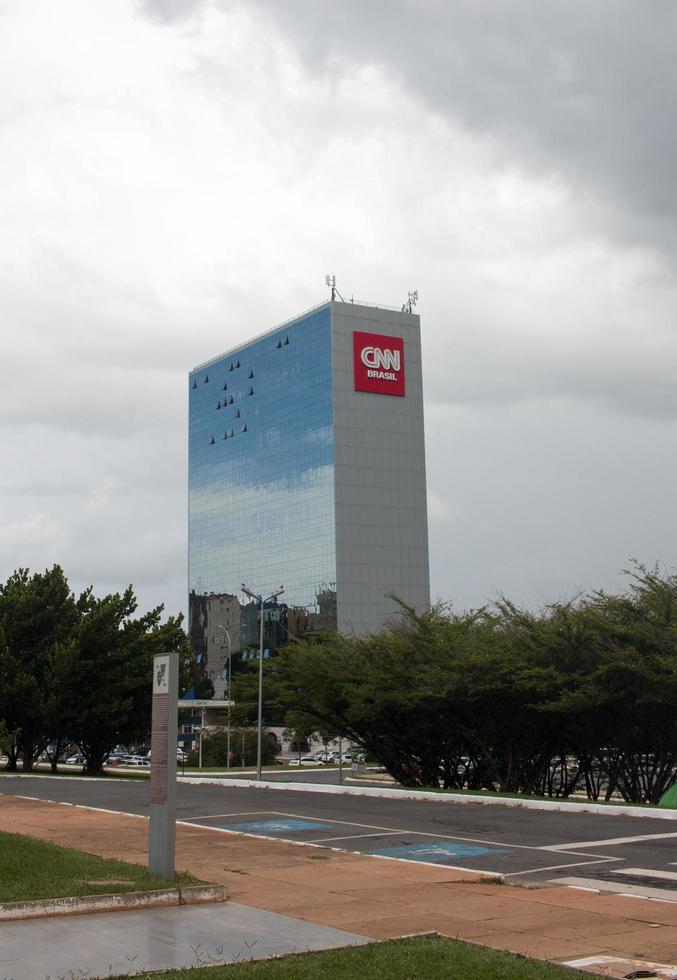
x: 380, y: 479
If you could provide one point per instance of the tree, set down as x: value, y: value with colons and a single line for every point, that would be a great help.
x: 110, y: 671
x: 299, y: 730
x: 38, y: 615
x: 504, y: 698
x: 77, y: 670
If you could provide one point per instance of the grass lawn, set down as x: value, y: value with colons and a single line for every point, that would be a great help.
x: 31, y: 869
x: 401, y: 959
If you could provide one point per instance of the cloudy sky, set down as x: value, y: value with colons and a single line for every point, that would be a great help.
x: 176, y: 176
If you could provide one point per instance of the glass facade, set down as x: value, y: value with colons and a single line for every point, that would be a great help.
x: 261, y: 490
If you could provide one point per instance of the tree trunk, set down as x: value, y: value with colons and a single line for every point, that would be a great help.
x: 94, y: 758
x: 28, y: 752
x: 12, y: 753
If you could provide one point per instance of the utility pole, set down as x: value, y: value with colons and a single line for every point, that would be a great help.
x: 261, y: 601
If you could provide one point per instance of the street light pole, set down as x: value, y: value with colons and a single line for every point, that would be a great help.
x: 260, y: 721
x: 261, y: 601
x: 230, y: 664
x: 202, y: 728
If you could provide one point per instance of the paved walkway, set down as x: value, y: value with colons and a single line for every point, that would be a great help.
x: 373, y: 897
x: 110, y: 943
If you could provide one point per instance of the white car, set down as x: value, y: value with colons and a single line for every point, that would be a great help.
x: 306, y: 760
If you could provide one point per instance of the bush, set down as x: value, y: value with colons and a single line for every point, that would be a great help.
x: 243, y: 748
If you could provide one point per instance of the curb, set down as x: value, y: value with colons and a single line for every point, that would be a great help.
x: 121, y: 902
x: 403, y: 794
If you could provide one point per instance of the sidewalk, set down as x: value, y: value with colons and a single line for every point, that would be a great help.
x: 112, y: 943
x: 371, y: 897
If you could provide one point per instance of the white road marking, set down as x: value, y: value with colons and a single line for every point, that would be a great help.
x: 342, y: 850
x: 239, y: 813
x: 647, y: 873
x: 389, y: 831
x: 556, y: 867
x: 423, y: 833
x: 381, y: 833
x: 609, y: 842
x: 616, y: 888
x: 78, y: 806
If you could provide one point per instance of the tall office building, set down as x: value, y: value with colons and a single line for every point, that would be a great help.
x: 307, y: 469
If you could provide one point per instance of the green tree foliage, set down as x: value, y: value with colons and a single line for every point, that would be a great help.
x: 244, y: 691
x: 111, y: 671
x: 38, y: 614
x: 582, y: 694
x: 300, y: 730
x: 77, y: 669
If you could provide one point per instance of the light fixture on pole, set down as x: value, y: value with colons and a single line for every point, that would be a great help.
x: 261, y: 601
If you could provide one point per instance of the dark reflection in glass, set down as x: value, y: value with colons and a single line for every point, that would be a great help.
x: 223, y: 629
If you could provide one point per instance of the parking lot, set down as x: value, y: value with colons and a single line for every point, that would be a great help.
x: 621, y: 854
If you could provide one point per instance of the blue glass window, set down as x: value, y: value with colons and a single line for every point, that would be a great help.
x: 261, y: 509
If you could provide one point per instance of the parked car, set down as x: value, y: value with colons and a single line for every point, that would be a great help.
x: 75, y: 760
x: 306, y: 760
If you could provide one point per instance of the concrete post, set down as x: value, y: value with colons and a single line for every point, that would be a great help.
x: 162, y: 843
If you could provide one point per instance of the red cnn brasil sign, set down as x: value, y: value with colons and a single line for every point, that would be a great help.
x: 378, y: 363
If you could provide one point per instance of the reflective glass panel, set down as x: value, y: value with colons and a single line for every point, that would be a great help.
x: 261, y: 491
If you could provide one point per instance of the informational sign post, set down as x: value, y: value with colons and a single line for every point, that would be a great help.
x: 162, y: 844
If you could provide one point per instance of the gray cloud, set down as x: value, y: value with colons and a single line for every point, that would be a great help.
x: 514, y: 162
x: 584, y: 90
x: 169, y: 11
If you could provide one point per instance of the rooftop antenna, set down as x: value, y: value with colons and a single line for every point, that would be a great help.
x: 331, y: 282
x: 412, y: 300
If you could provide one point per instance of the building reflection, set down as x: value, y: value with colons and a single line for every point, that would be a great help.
x: 222, y: 628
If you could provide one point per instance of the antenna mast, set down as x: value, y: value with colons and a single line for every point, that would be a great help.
x: 412, y: 300
x: 330, y: 280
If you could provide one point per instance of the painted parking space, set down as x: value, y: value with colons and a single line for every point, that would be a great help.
x: 361, y: 838
x: 488, y: 857
x: 437, y: 852
x: 294, y: 828
x: 277, y: 826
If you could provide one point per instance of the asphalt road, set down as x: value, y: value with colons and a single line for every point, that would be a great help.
x: 629, y: 855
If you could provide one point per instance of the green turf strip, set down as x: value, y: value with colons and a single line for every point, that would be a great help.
x: 32, y: 869
x: 401, y: 959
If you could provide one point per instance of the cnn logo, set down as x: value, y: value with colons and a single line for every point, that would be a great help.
x: 374, y: 357
x: 378, y: 362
